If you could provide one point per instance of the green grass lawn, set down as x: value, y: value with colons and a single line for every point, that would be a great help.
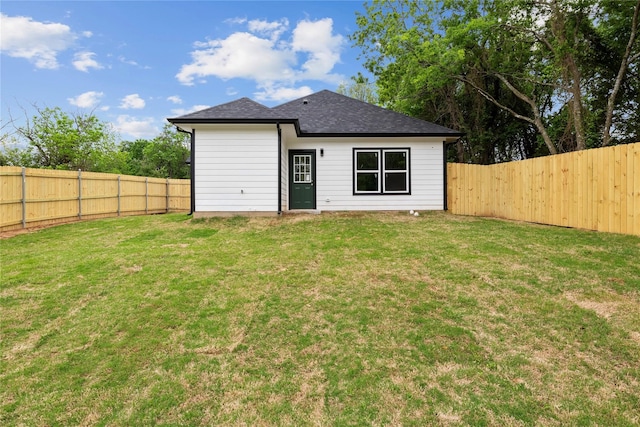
x: 336, y: 319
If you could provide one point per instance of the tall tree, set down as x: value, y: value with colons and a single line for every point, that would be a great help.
x: 164, y: 156
x: 533, y: 60
x: 359, y: 88
x: 420, y: 73
x: 58, y: 140
x: 12, y: 154
x: 618, y: 14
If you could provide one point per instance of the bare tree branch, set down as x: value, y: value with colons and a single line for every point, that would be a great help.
x: 536, y: 120
x: 624, y: 64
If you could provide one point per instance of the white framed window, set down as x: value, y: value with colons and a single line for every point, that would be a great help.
x: 381, y: 171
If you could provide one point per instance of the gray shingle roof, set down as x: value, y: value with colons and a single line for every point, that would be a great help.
x: 241, y: 109
x: 321, y: 113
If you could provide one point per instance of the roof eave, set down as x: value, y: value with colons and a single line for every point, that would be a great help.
x: 186, y: 120
x: 453, y: 136
x: 183, y: 121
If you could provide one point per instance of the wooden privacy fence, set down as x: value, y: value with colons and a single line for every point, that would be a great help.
x: 36, y: 197
x: 596, y: 189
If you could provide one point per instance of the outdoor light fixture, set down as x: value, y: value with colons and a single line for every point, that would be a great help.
x: 322, y: 152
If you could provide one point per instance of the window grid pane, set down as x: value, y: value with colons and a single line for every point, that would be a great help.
x: 396, y: 182
x: 395, y: 160
x: 302, y: 168
x: 367, y: 182
x: 367, y: 160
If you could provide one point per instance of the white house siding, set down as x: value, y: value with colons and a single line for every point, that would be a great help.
x: 334, y: 172
x: 236, y: 168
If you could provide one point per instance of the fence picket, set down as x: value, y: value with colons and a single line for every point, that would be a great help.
x: 35, y: 197
x: 597, y: 189
x: 636, y: 190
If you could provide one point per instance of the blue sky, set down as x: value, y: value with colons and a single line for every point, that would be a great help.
x: 135, y: 63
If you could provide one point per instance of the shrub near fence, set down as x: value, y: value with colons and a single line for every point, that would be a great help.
x: 596, y: 189
x: 37, y: 197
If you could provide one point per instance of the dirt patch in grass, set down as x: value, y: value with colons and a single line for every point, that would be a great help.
x: 604, y: 309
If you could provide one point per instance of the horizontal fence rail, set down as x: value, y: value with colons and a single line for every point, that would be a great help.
x: 597, y: 189
x: 40, y: 197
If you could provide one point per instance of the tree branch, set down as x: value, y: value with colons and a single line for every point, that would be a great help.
x: 536, y: 120
x: 624, y: 64
x: 491, y: 99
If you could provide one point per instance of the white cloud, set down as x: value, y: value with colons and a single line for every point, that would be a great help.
x: 87, y: 100
x: 127, y: 61
x: 241, y: 55
x: 84, y: 60
x: 132, y: 62
x: 38, y: 42
x: 236, y: 20
x: 271, y: 93
x: 272, y: 29
x: 182, y: 111
x: 175, y: 99
x: 323, y: 48
x: 199, y: 107
x: 136, y: 127
x: 132, y: 101
x: 264, y: 56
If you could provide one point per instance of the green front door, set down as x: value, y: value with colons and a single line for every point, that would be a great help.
x: 302, y: 177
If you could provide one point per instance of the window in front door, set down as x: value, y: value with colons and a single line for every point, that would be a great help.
x: 302, y: 168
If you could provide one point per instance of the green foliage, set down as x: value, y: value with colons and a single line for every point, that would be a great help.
x: 521, y: 78
x: 164, y: 156
x: 418, y: 50
x: 359, y: 88
x: 11, y: 154
x: 55, y: 139
x: 58, y: 140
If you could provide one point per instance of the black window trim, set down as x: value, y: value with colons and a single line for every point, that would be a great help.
x: 380, y: 151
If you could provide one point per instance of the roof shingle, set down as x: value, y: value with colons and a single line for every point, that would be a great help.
x: 243, y: 108
x: 322, y: 113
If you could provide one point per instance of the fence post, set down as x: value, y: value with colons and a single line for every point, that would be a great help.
x: 146, y: 195
x: 24, y: 198
x: 167, y: 195
x: 79, y: 193
x: 118, y: 195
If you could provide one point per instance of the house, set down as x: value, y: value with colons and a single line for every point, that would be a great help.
x: 322, y: 152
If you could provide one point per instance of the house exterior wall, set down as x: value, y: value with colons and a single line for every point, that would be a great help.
x: 236, y: 169
x: 334, y: 172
